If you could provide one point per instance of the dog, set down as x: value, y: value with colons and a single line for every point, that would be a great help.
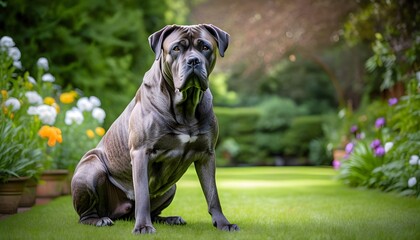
x: 169, y: 125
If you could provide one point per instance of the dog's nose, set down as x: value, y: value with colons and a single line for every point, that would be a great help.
x: 192, y: 61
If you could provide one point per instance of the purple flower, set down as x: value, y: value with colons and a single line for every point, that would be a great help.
x: 379, y: 151
x: 349, y: 147
x: 336, y: 164
x: 392, y: 101
x: 354, y: 129
x: 380, y: 122
x: 375, y: 144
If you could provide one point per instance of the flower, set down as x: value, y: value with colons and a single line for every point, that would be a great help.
x: 14, y: 53
x: 336, y: 164
x: 74, y: 116
x: 95, y: 101
x: 17, y: 64
x: 84, y: 104
x: 349, y: 147
x: 31, y: 80
x: 380, y: 122
x: 7, y: 42
x: 99, y: 114
x: 33, y: 97
x: 388, y: 146
x: 4, y: 94
x: 68, y: 97
x: 392, y: 101
x: 48, y: 77
x: 90, y: 133
x: 32, y: 110
x: 375, y: 144
x: 414, y: 160
x: 42, y: 63
x: 354, y: 129
x: 13, y: 102
x: 100, y: 131
x: 47, y: 114
x: 379, y: 151
x: 52, y: 133
x: 412, y: 182
x: 49, y: 101
x: 361, y: 135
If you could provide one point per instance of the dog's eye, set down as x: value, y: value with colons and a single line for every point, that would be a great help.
x: 176, y: 49
x: 205, y: 48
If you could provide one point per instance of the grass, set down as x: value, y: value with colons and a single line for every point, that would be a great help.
x: 266, y: 203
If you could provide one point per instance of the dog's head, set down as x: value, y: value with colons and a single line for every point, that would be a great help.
x: 188, y: 53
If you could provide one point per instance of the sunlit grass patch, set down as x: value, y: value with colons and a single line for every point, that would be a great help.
x: 266, y: 202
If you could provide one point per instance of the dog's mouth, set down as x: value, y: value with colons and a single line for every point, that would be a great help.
x: 195, y: 78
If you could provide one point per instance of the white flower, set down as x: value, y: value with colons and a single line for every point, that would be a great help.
x: 47, y: 114
x: 32, y: 110
x: 73, y: 116
x: 14, y: 102
x: 99, y: 114
x: 84, y: 104
x: 33, y: 97
x: 412, y: 182
x: 42, y: 63
x: 95, y: 101
x: 388, y: 146
x: 48, y: 77
x: 414, y: 160
x: 17, y: 64
x: 31, y: 80
x: 7, y: 42
x: 14, y: 53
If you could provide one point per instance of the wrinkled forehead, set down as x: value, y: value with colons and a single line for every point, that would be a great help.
x: 188, y: 34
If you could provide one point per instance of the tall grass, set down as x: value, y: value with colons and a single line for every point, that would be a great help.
x: 266, y: 203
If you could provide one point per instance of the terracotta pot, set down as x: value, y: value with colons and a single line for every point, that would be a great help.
x: 10, y: 194
x: 51, y: 183
x: 67, y: 184
x: 29, y: 193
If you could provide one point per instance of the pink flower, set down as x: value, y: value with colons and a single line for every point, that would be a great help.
x: 336, y: 164
x: 380, y: 122
x: 392, y: 101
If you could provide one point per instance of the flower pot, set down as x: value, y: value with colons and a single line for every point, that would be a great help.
x: 51, y: 183
x: 67, y: 184
x: 10, y: 194
x: 29, y: 193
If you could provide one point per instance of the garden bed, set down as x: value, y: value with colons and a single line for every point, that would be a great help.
x: 266, y: 202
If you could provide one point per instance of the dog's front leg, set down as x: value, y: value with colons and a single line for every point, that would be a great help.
x: 206, y: 173
x: 141, y: 192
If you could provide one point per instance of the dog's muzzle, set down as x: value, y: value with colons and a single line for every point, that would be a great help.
x: 195, y: 74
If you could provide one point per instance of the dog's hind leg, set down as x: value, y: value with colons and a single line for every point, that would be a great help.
x: 162, y: 202
x: 88, y: 190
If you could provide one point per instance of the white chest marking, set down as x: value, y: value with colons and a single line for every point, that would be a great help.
x: 185, y: 138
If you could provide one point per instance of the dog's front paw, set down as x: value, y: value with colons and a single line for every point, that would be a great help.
x: 105, y: 221
x: 144, y: 230
x: 175, y: 220
x: 230, y: 228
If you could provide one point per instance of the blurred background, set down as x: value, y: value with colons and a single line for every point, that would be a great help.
x: 294, y: 74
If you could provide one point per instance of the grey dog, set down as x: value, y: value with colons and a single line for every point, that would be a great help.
x: 168, y: 125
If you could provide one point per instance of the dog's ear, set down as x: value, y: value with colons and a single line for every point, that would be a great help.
x: 157, y: 38
x: 222, y: 37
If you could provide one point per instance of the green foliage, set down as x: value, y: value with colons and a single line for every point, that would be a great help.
x: 219, y: 89
x: 98, y: 46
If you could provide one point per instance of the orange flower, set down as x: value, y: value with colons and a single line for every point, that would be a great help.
x: 52, y: 133
x: 90, y: 133
x: 49, y: 101
x: 100, y: 131
x: 68, y: 97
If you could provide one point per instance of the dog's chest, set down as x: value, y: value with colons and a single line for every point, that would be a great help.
x: 171, y: 156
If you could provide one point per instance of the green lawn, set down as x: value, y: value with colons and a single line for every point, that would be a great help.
x: 266, y: 203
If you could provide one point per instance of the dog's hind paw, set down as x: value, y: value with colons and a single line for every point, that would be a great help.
x: 175, y: 220
x: 105, y: 221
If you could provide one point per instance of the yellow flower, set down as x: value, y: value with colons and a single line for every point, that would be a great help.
x: 49, y: 101
x: 57, y: 107
x: 100, y: 131
x: 52, y: 133
x: 90, y: 133
x: 4, y: 94
x: 68, y: 97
